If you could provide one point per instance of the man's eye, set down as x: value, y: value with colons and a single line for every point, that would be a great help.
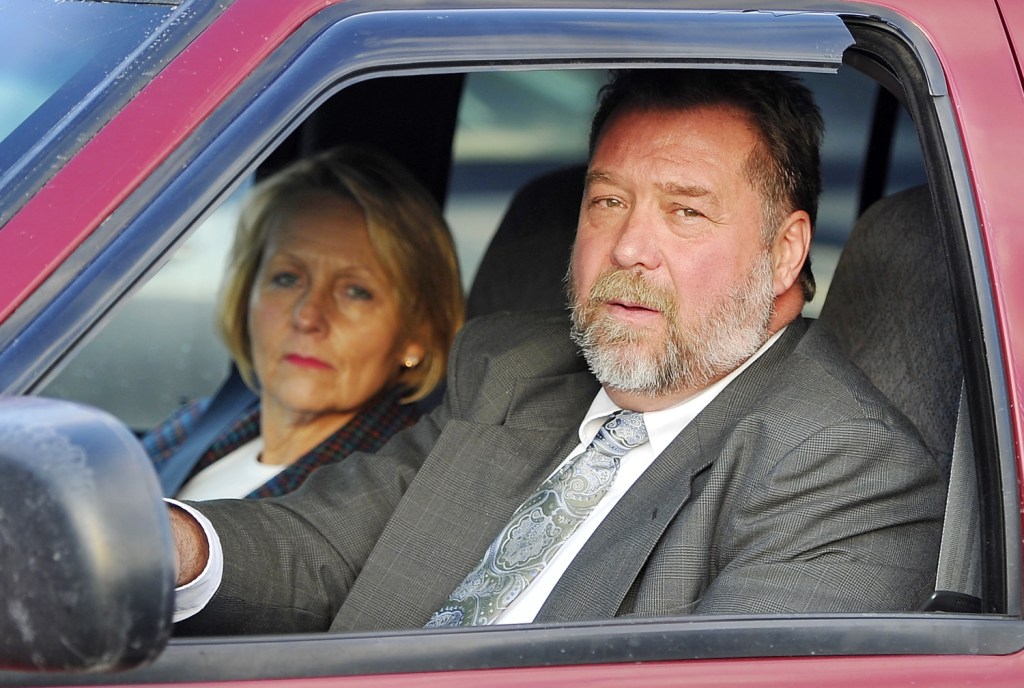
x: 605, y: 202
x: 284, y: 279
x: 354, y: 291
x: 688, y: 212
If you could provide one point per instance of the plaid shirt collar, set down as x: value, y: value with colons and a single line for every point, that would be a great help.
x: 367, y: 432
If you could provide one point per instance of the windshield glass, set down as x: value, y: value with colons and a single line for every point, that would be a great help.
x: 55, y: 54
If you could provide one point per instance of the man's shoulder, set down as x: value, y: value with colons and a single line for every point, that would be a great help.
x: 520, y: 325
x: 530, y: 342
x: 499, y: 357
x: 538, y: 336
x: 828, y: 376
x: 805, y: 383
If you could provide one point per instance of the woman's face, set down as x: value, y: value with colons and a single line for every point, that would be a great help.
x: 323, y: 318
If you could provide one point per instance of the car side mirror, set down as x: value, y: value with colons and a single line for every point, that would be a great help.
x: 86, y: 554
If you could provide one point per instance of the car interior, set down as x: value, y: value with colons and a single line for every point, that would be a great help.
x: 887, y: 289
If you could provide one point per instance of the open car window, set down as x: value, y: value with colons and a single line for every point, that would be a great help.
x: 500, y: 119
x: 160, y: 350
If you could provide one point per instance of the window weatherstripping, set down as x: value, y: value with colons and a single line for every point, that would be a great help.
x: 619, y: 641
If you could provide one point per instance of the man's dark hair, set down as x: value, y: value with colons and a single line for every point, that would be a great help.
x: 787, y: 170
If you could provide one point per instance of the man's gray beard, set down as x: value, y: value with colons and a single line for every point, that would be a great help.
x: 621, y: 358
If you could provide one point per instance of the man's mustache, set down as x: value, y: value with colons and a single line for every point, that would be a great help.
x: 630, y: 286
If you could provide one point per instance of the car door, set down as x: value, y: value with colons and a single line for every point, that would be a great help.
x: 266, y: 73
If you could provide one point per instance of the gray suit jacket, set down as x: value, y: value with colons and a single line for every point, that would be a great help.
x: 798, y: 489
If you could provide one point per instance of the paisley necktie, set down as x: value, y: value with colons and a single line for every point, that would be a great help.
x: 541, y: 525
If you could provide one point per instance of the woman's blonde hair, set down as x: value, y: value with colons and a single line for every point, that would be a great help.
x: 407, y: 231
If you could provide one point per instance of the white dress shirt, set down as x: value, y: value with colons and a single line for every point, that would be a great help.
x: 662, y: 427
x: 189, y: 599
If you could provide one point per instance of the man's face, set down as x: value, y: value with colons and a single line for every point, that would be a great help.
x: 671, y: 282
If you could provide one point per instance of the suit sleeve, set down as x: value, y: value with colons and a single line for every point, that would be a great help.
x: 849, y: 520
x: 290, y: 562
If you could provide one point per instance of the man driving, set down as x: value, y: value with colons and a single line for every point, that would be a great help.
x: 683, y: 442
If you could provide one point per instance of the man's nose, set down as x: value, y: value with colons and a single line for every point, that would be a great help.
x: 636, y: 243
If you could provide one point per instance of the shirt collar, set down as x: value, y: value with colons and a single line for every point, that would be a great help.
x: 665, y: 424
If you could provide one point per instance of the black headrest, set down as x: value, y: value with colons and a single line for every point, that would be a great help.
x: 525, y: 263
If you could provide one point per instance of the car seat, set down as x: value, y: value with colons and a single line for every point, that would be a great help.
x: 526, y: 260
x: 891, y: 306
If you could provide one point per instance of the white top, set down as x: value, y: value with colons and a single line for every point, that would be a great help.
x: 662, y: 428
x: 232, y: 476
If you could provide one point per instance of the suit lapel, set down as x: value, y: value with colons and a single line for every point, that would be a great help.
x: 593, y: 589
x: 466, y: 491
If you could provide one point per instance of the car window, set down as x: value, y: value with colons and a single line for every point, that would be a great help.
x: 512, y: 127
x: 58, y: 56
x: 58, y: 51
x: 161, y: 350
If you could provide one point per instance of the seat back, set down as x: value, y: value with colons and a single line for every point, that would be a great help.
x: 890, y: 305
x: 525, y: 263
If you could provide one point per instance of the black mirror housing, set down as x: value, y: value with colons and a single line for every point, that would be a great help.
x: 86, y: 553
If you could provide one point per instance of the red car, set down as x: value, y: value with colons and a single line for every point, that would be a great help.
x: 128, y: 129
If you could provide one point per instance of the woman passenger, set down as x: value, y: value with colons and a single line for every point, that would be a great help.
x: 340, y: 303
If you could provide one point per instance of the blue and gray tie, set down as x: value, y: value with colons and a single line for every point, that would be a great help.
x: 541, y: 525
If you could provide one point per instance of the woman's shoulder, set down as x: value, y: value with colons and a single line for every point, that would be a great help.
x: 161, y: 442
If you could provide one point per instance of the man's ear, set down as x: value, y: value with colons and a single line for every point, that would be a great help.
x: 789, y: 250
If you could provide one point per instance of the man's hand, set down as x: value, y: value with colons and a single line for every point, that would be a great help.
x: 190, y: 542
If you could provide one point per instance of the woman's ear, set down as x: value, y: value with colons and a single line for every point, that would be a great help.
x: 412, y: 354
x: 789, y: 250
